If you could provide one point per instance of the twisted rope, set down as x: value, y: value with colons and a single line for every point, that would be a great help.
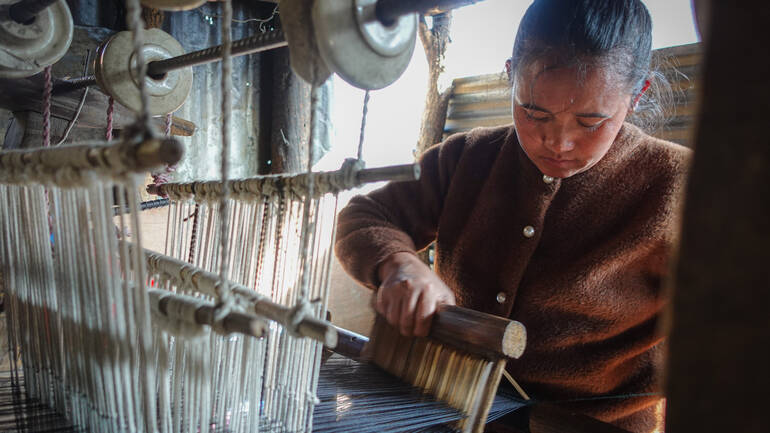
x: 363, y: 125
x: 47, y: 89
x: 194, y: 234
x: 223, y: 290
x: 110, y: 112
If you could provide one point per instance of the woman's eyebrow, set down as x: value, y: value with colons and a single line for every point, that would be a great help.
x: 534, y: 107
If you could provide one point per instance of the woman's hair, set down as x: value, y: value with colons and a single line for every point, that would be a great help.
x: 611, y: 34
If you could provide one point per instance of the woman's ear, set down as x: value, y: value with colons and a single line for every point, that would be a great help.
x: 639, y: 95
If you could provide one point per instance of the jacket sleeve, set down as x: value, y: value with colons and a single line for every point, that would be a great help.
x: 399, y: 217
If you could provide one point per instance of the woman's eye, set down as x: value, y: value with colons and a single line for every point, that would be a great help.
x: 537, y: 118
x: 592, y: 126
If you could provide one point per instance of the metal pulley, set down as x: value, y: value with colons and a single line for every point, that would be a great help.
x: 116, y: 72
x: 27, y: 47
x: 173, y: 5
x: 361, y: 49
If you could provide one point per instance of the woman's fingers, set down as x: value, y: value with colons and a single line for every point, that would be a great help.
x: 408, y: 305
x: 423, y: 314
x: 409, y: 294
x: 392, y: 308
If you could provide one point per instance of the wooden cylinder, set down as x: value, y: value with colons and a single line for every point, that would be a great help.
x: 255, y: 185
x: 395, y: 173
x: 478, y: 332
x: 97, y: 156
x: 206, y: 283
x: 202, y: 313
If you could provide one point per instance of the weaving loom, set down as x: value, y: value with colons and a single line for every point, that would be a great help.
x: 224, y: 331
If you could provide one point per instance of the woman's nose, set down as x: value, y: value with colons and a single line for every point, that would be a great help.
x: 558, y: 143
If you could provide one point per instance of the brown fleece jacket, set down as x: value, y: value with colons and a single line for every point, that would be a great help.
x: 587, y: 284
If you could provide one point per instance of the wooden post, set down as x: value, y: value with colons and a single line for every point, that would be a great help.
x: 435, y: 41
x: 285, y: 120
x: 717, y: 378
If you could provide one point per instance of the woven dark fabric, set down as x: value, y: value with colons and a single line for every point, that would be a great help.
x: 362, y: 398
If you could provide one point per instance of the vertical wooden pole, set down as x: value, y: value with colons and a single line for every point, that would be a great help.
x: 285, y: 116
x: 717, y: 373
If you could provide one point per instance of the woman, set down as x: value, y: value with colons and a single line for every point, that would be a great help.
x: 563, y: 221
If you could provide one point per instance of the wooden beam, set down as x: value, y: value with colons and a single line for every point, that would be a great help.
x: 717, y: 378
x: 25, y: 94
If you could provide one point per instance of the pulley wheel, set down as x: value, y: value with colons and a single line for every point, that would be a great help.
x: 173, y: 5
x: 25, y: 49
x: 355, y: 45
x: 117, y: 74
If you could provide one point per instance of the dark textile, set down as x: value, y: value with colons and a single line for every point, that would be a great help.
x: 587, y: 284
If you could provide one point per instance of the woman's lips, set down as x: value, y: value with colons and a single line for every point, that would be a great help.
x: 561, y: 163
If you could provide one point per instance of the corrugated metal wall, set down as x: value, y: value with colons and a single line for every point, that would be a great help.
x: 485, y: 100
x: 197, y: 29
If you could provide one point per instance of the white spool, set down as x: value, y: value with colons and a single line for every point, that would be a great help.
x: 116, y: 72
x: 25, y: 49
x: 173, y: 5
x: 355, y: 45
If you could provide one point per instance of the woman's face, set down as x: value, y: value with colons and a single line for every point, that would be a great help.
x: 566, y: 123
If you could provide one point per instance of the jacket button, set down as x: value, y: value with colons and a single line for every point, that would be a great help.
x: 547, y: 179
x: 528, y: 231
x: 501, y: 298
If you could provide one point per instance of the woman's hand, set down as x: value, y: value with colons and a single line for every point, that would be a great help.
x: 410, y: 293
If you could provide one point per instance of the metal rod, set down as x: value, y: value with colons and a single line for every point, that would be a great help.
x: 252, y: 44
x: 157, y: 68
x: 74, y: 84
x: 350, y: 344
x: 388, y: 11
x: 25, y: 11
x: 146, y: 205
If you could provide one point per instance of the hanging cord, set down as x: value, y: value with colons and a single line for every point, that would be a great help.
x: 194, y: 234
x: 136, y: 25
x: 307, y: 225
x: 82, y: 102
x: 223, y: 290
x: 110, y: 111
x: 47, y: 89
x: 167, y: 125
x: 363, y: 126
